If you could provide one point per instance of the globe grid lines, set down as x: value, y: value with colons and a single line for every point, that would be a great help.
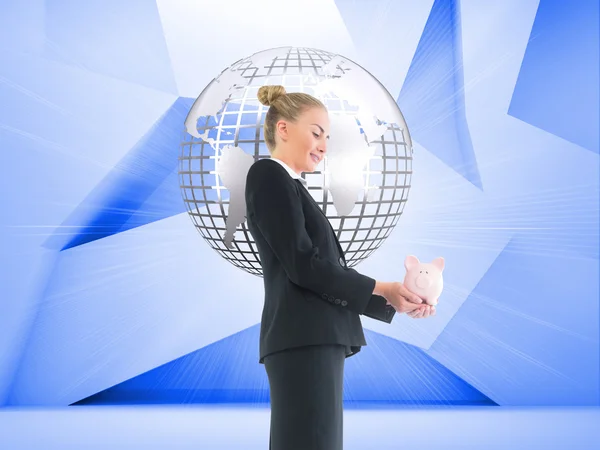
x: 236, y: 106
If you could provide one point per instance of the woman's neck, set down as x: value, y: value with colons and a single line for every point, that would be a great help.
x: 287, y: 161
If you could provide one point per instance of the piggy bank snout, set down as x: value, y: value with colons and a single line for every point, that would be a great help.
x: 423, y: 281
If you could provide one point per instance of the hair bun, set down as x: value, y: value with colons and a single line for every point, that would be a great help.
x: 268, y: 94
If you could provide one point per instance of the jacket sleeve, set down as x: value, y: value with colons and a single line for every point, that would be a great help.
x: 378, y: 309
x: 275, y: 206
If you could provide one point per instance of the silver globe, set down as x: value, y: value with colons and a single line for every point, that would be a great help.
x: 363, y: 183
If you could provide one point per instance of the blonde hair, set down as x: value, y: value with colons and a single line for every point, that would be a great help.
x: 283, y: 106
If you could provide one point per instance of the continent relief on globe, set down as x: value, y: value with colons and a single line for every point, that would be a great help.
x: 349, y: 150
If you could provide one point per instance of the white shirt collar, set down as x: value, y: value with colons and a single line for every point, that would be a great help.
x: 290, y: 171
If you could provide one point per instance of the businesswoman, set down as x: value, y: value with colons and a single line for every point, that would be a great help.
x: 310, y: 321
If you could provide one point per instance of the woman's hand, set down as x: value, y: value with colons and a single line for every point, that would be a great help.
x: 422, y: 312
x: 401, y: 298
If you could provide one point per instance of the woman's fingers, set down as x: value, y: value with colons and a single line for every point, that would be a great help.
x: 417, y: 313
x: 422, y: 312
x: 410, y: 306
x: 413, y: 298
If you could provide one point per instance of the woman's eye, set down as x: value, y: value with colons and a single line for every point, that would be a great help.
x: 315, y: 135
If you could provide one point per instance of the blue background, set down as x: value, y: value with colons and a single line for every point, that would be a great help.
x: 109, y: 295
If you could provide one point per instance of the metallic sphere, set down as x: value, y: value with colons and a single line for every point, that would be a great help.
x: 362, y: 185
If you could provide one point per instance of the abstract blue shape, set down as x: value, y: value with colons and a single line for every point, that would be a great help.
x: 528, y: 332
x: 391, y: 372
x: 141, y: 189
x: 432, y: 98
x: 226, y: 371
x: 120, y: 39
x: 558, y: 84
x: 386, y: 372
x: 145, y: 186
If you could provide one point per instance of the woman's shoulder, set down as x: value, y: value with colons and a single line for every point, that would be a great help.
x: 266, y: 162
x: 265, y: 168
x: 269, y: 177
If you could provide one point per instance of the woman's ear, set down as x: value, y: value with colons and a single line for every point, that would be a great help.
x: 282, y: 130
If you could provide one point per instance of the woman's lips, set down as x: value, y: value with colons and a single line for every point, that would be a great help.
x: 315, y: 159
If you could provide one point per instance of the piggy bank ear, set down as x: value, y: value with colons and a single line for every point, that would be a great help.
x: 410, y: 261
x: 439, y: 263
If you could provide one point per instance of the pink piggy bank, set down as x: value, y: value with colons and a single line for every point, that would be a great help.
x: 424, y: 279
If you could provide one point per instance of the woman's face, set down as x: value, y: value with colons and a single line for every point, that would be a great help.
x: 306, y: 139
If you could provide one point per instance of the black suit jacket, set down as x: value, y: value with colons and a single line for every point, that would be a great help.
x: 311, y: 296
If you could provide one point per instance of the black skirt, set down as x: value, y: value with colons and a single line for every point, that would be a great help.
x: 306, y: 389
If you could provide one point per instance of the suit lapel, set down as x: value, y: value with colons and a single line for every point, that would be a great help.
x: 305, y: 192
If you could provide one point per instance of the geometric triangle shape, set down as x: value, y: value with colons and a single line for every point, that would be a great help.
x: 122, y: 40
x: 142, y: 188
x: 225, y: 371
x: 374, y: 29
x: 386, y: 372
x: 558, y: 83
x: 517, y: 334
x: 432, y: 96
x: 391, y: 372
